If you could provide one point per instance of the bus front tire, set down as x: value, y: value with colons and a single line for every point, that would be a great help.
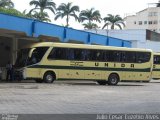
x: 113, y: 79
x: 49, y: 77
x: 102, y: 82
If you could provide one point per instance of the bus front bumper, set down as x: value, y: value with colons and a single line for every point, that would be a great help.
x: 20, y: 74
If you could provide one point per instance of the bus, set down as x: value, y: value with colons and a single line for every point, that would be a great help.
x: 156, y: 66
x: 46, y: 62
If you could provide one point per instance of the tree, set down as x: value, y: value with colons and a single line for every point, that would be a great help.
x: 90, y: 16
x: 37, y: 15
x: 41, y: 16
x: 12, y: 11
x: 90, y: 26
x: 67, y: 10
x: 113, y: 21
x: 29, y: 15
x: 6, y: 4
x: 41, y: 6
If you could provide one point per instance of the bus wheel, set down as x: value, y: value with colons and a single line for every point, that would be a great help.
x: 102, y: 82
x: 49, y: 77
x: 113, y: 79
x: 39, y: 81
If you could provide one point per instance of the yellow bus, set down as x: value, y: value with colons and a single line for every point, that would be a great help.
x: 156, y: 66
x: 46, y: 62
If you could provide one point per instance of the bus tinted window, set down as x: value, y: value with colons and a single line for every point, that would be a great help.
x: 113, y: 56
x: 117, y: 56
x: 142, y: 57
x: 79, y: 54
x: 95, y: 55
x: 128, y: 57
x: 156, y: 59
x: 110, y: 56
x: 99, y: 55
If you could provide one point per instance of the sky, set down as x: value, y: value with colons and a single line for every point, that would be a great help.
x: 115, y: 7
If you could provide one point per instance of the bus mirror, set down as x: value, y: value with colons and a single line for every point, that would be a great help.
x: 30, y: 52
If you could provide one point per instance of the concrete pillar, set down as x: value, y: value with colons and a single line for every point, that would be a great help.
x: 14, y: 50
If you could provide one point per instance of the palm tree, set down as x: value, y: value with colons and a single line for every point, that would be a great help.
x: 37, y: 15
x: 67, y: 10
x: 6, y: 4
x: 90, y: 16
x: 41, y: 6
x: 113, y: 21
x: 90, y: 26
x: 29, y: 15
x: 41, y: 16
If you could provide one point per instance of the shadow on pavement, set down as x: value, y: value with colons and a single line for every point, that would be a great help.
x: 82, y: 83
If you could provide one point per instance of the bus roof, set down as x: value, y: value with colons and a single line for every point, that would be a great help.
x: 84, y: 46
x: 156, y: 53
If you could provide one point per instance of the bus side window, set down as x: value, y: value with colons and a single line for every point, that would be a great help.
x: 139, y: 57
x: 61, y: 53
x: 123, y: 57
x: 76, y: 54
x: 106, y: 55
x: 79, y: 54
x: 156, y: 59
x: 142, y: 57
x: 85, y: 54
x: 90, y: 55
x: 95, y: 55
x: 131, y: 57
x: 147, y: 57
x: 70, y: 54
x: 117, y: 56
x: 51, y: 54
x: 58, y: 54
x: 100, y: 55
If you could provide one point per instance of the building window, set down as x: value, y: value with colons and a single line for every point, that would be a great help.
x: 145, y: 22
x: 134, y: 22
x: 140, y: 22
x: 155, y: 13
x: 152, y: 14
x: 155, y: 22
x: 150, y: 22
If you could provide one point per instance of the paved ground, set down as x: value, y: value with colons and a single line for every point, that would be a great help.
x: 79, y: 97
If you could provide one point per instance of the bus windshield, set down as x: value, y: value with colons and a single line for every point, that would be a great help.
x: 24, y: 59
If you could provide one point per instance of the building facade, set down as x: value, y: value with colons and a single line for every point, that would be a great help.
x: 139, y: 38
x: 148, y: 18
